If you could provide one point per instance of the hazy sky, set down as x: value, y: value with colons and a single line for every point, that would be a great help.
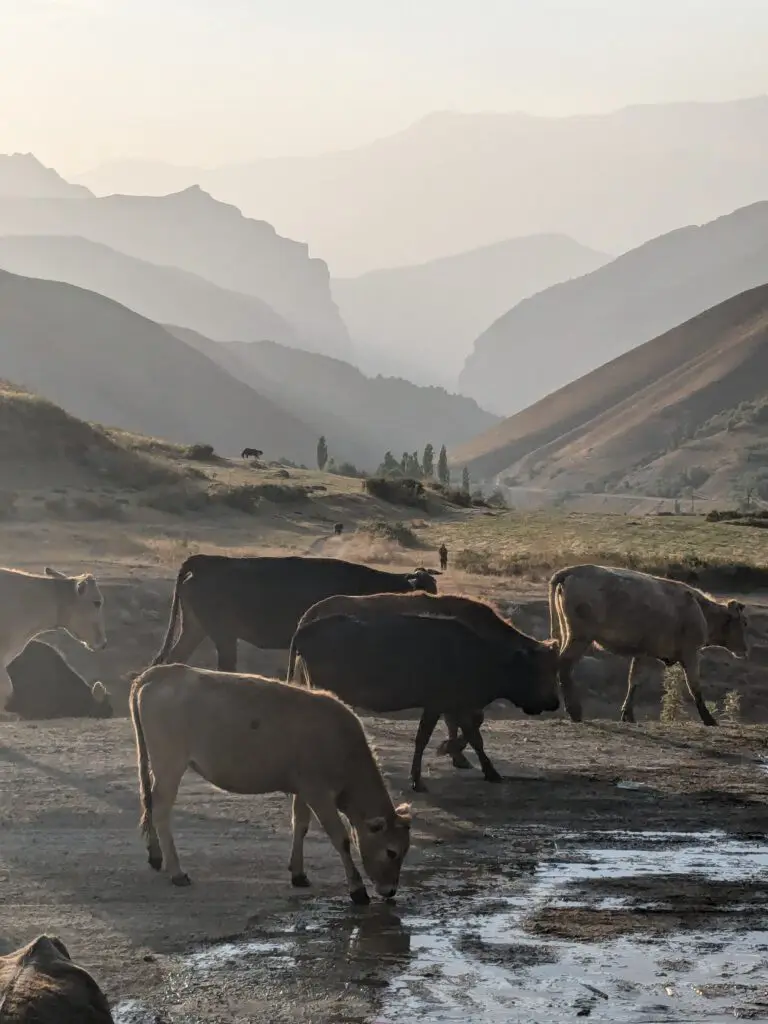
x: 217, y: 81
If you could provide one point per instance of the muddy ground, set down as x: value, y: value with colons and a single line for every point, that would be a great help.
x: 72, y: 863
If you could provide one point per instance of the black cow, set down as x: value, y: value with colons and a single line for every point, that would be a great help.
x: 478, y: 615
x: 338, y: 529
x: 46, y: 686
x: 251, y: 453
x: 261, y: 599
x: 396, y: 662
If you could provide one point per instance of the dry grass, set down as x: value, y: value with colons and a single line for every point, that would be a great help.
x: 535, y: 543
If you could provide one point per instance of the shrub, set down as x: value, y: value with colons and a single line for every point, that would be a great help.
x: 244, y: 498
x: 732, y: 706
x: 405, y: 491
x: 397, y: 532
x: 97, y: 508
x: 176, y: 500
x: 671, y: 697
x: 347, y: 469
x: 200, y: 453
x: 477, y: 562
x: 279, y: 493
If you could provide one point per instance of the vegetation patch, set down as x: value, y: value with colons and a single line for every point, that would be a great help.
x: 403, y: 491
x: 397, y: 532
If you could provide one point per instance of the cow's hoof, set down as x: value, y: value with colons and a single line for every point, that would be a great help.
x: 182, y: 879
x: 418, y: 786
x: 155, y: 861
x: 493, y: 776
x: 627, y: 717
x: 300, y: 881
x: 460, y: 762
x: 709, y: 720
x: 360, y: 897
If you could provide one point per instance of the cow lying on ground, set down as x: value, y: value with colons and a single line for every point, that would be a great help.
x: 33, y: 604
x: 396, y: 662
x: 478, y: 615
x: 642, y: 617
x: 39, y: 984
x: 46, y: 686
x: 248, y: 734
x: 260, y: 600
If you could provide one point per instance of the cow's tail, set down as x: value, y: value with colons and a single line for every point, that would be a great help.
x: 555, y: 585
x: 292, y: 656
x: 145, y: 775
x: 300, y: 672
x: 169, y: 634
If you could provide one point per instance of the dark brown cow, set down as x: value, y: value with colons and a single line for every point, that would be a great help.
x: 46, y: 686
x: 478, y: 615
x: 261, y: 599
x: 397, y: 662
x: 39, y: 984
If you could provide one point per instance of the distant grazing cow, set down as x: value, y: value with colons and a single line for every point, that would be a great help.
x: 247, y: 734
x: 33, y: 604
x: 338, y: 528
x: 478, y: 615
x: 251, y: 453
x: 395, y: 662
x: 261, y: 599
x: 642, y: 617
x: 39, y: 984
x: 46, y: 686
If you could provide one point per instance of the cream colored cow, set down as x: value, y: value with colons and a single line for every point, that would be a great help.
x: 31, y: 604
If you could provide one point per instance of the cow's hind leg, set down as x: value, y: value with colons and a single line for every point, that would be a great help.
x: 326, y: 813
x: 226, y: 653
x: 690, y: 664
x: 571, y: 652
x: 165, y: 787
x: 427, y: 723
x: 301, y: 819
x: 628, y: 707
x: 6, y: 692
x: 471, y: 729
x: 189, y: 639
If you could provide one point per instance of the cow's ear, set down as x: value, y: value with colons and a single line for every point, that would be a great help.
x: 99, y: 692
x: 403, y: 815
x: 82, y: 586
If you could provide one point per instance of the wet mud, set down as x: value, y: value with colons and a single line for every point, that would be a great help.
x: 607, y: 925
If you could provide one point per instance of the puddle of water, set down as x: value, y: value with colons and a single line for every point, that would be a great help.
x: 487, y: 949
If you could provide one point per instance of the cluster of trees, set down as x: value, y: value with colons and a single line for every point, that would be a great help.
x: 411, y: 465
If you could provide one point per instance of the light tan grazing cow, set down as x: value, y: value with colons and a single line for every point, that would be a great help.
x: 39, y: 984
x: 31, y: 604
x: 248, y: 734
x: 643, y: 617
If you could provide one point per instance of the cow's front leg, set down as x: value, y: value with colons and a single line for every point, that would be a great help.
x: 471, y: 730
x: 453, y: 746
x: 326, y: 813
x: 690, y: 664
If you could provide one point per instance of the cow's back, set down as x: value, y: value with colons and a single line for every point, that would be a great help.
x: 396, y: 662
x: 261, y: 599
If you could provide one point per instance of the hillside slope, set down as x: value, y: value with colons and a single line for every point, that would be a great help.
x: 421, y: 321
x: 103, y: 362
x: 163, y: 294
x: 606, y: 426
x: 361, y: 417
x: 574, y: 327
x: 454, y: 181
x: 194, y: 232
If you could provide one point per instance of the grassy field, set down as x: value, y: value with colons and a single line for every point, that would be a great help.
x: 524, y: 543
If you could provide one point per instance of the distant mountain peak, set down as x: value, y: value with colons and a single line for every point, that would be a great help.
x: 23, y: 176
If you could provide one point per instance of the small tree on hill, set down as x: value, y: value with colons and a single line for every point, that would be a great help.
x: 465, y: 480
x: 322, y: 452
x: 428, y: 461
x: 443, y: 473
